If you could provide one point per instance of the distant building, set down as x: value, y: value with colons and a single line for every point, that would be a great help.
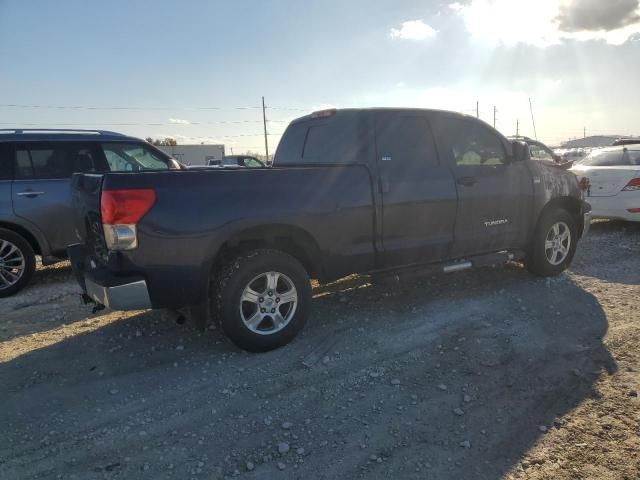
x: 593, y: 141
x: 194, y: 154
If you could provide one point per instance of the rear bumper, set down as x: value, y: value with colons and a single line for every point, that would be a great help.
x: 122, y: 296
x: 105, y: 288
x: 616, y: 206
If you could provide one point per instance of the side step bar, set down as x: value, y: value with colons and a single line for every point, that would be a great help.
x: 485, y: 260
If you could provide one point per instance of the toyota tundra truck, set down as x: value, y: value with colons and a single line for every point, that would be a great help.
x: 370, y: 191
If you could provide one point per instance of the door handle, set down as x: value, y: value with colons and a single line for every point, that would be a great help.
x: 29, y: 194
x: 466, y: 181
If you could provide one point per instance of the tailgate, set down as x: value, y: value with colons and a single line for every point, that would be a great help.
x: 85, y: 192
x: 607, y: 181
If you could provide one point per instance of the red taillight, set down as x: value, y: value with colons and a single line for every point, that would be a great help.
x: 125, y: 206
x: 632, y: 185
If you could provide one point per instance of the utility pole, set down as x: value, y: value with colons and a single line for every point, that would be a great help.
x: 494, y: 116
x: 264, y: 121
x: 533, y: 120
x: 517, y: 127
x: 584, y: 132
x: 477, y: 109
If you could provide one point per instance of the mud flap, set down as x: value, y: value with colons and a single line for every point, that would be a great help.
x: 200, y: 314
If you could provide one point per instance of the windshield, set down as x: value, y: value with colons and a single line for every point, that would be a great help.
x: 611, y: 158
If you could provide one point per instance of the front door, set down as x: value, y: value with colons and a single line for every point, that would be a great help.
x: 493, y: 192
x: 41, y: 188
x: 418, y: 193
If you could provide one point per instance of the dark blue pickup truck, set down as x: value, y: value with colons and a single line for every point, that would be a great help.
x: 350, y: 191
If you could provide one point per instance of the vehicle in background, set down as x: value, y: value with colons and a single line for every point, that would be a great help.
x: 381, y: 191
x: 237, y: 160
x: 538, y: 150
x: 192, y: 155
x: 626, y: 141
x: 35, y: 196
x: 613, y: 178
x: 572, y: 154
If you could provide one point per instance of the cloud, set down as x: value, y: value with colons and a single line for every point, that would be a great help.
x: 549, y: 22
x: 595, y: 15
x: 413, y: 30
x: 179, y: 121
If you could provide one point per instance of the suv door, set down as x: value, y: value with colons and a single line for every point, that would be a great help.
x: 41, y: 188
x: 494, y: 194
x: 418, y: 193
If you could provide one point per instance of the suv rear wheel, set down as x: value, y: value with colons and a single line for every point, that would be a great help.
x: 17, y: 262
x: 262, y: 299
x: 553, y: 245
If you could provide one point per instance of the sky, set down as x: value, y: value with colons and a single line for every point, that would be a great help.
x: 196, y: 70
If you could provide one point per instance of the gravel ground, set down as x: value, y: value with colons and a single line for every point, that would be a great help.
x: 485, y: 374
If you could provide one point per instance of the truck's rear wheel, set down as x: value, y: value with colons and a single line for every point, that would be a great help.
x: 553, y: 245
x: 17, y: 262
x: 262, y: 299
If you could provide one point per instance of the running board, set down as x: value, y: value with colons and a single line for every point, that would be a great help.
x: 491, y: 259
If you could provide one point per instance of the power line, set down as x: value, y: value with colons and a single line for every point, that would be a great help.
x: 93, y: 107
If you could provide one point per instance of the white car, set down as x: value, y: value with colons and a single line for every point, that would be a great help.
x: 613, y: 175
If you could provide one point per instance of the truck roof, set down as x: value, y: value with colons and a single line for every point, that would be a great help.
x: 331, y: 111
x: 60, y: 134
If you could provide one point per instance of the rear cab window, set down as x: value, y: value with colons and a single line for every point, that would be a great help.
x: 332, y: 139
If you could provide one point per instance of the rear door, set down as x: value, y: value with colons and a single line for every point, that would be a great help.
x: 418, y: 193
x: 41, y: 188
x: 493, y: 193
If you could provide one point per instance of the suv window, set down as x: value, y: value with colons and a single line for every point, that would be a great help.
x: 472, y: 144
x: 405, y: 141
x: 6, y: 170
x: 54, y: 160
x: 133, y: 157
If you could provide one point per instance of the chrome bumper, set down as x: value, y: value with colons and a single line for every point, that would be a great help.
x: 127, y: 296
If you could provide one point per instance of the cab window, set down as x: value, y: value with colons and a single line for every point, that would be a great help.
x: 471, y: 144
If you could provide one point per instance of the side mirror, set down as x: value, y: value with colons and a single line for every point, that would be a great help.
x: 520, y: 151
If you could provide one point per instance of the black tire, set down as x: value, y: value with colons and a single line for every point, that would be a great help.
x: 237, y: 274
x: 537, y: 261
x: 29, y: 261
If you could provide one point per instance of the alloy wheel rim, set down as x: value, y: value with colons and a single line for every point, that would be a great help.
x: 268, y: 303
x: 557, y: 243
x: 12, y: 264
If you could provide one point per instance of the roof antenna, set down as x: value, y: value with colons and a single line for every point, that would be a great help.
x: 535, y: 134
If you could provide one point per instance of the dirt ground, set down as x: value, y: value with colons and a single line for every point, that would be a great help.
x: 487, y: 374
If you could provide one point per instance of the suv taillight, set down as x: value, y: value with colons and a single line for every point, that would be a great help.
x: 632, y: 185
x: 121, y: 210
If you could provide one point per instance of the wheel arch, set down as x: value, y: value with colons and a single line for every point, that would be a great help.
x: 24, y: 233
x: 289, y: 239
x: 570, y: 204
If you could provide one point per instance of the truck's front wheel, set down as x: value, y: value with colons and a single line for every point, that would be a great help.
x: 262, y: 299
x: 553, y: 244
